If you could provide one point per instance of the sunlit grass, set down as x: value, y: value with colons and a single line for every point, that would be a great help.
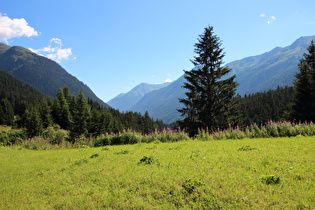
x: 186, y: 174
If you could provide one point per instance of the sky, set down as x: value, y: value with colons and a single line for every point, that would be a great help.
x: 114, y: 45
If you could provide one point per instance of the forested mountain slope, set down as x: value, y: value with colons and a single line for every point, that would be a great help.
x: 45, y: 75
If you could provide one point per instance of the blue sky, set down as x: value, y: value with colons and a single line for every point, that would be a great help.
x: 113, y: 45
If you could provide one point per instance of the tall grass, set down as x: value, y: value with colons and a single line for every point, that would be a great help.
x: 53, y: 138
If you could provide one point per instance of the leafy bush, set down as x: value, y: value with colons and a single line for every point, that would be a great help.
x: 10, y: 137
x: 190, y: 185
x: 148, y: 161
x: 270, y: 179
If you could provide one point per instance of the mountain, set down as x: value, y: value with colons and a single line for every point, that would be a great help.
x: 45, y: 75
x: 162, y: 103
x: 254, y: 74
x: 125, y: 101
x: 271, y: 69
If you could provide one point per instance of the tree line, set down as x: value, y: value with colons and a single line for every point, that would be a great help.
x: 79, y: 115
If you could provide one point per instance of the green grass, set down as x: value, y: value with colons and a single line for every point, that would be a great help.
x: 228, y: 174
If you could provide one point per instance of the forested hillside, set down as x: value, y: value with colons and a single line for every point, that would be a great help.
x: 42, y: 73
x: 22, y: 106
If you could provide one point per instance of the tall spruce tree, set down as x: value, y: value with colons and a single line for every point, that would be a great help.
x: 303, y: 108
x: 80, y: 117
x: 209, y: 101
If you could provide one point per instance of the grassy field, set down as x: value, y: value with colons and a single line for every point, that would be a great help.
x: 271, y: 173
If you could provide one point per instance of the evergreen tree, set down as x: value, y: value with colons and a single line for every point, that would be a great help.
x: 45, y: 113
x: 303, y: 108
x: 61, y: 110
x: 209, y: 101
x: 148, y: 127
x: 6, y: 112
x: 80, y: 117
x: 33, y: 122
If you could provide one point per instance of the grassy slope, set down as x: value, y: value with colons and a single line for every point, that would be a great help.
x: 220, y: 176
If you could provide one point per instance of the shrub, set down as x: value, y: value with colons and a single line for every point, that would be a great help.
x: 190, y: 185
x: 148, y: 160
x: 270, y: 179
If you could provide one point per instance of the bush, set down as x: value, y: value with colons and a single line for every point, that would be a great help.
x: 190, y: 185
x: 148, y: 160
x: 270, y: 179
x: 10, y: 137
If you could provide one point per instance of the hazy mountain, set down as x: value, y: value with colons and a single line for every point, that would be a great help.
x: 45, y: 75
x: 254, y: 74
x: 162, y: 103
x: 125, y: 101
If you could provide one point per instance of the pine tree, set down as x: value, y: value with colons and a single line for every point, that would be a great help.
x: 6, y: 112
x: 303, y: 108
x: 33, y: 122
x: 209, y: 101
x: 80, y: 117
x: 61, y: 110
x: 45, y: 113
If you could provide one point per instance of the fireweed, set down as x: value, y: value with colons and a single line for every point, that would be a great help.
x: 59, y: 138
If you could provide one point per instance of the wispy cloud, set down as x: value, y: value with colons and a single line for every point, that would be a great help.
x: 10, y: 28
x: 168, y: 80
x: 269, y: 19
x: 54, y: 51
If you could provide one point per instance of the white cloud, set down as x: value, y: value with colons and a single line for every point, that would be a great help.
x: 269, y: 20
x: 168, y: 80
x: 273, y: 18
x: 10, y: 28
x: 54, y: 51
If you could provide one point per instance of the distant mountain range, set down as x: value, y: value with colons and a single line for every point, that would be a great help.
x: 45, y: 75
x: 254, y: 74
x: 125, y: 101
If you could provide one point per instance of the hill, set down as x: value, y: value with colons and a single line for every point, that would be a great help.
x: 254, y: 74
x: 45, y: 75
x: 125, y: 101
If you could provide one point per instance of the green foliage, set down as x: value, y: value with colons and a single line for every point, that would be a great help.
x: 33, y: 123
x: 190, y: 185
x: 148, y: 160
x: 80, y: 118
x: 270, y: 179
x: 262, y: 107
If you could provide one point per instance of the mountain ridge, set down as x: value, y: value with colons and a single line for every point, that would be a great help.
x: 125, y: 101
x: 44, y: 74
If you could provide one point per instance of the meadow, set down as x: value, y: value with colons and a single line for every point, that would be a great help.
x: 249, y: 173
